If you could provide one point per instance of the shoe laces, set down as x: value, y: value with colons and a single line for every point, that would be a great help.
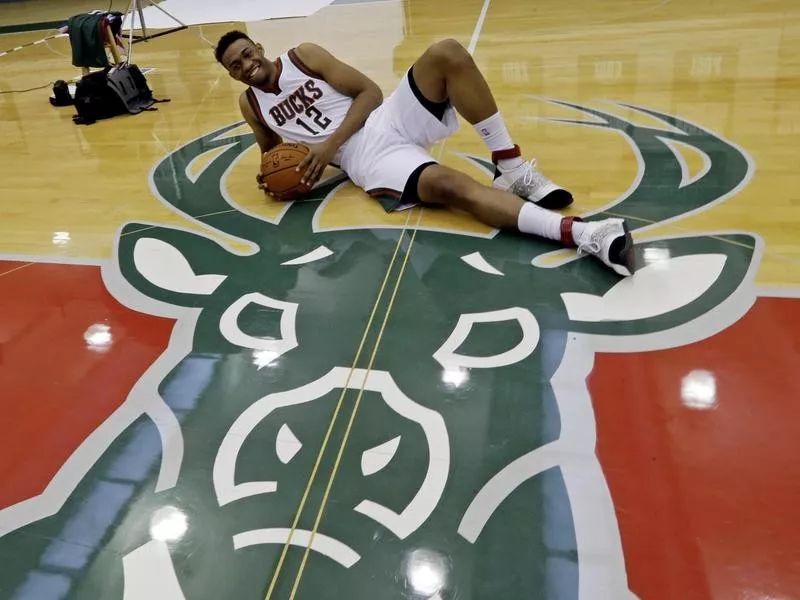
x: 593, y: 237
x: 590, y: 247
x: 530, y: 173
x: 530, y: 180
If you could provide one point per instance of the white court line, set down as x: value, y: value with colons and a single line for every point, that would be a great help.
x: 778, y: 292
x: 361, y: 3
x: 476, y: 34
x: 478, y: 27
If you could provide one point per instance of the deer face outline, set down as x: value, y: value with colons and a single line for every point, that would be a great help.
x: 550, y: 321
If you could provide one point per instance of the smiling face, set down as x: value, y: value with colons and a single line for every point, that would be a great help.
x: 245, y: 62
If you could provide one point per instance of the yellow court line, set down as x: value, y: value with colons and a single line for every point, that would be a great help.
x: 299, y: 575
x: 335, y: 415
x: 197, y: 218
x: 680, y: 228
x: 343, y: 445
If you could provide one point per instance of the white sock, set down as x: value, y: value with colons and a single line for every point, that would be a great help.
x: 538, y: 221
x: 494, y: 134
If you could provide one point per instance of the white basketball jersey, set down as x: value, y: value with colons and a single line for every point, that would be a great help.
x: 302, y: 107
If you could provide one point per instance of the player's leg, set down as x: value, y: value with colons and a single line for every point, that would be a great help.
x: 608, y: 240
x: 447, y: 72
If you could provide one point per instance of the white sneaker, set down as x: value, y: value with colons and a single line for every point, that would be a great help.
x: 597, y: 239
x: 529, y: 184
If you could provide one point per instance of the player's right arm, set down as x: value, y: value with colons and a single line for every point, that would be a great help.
x: 266, y: 138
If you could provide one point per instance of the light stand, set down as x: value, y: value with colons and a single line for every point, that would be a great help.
x: 134, y: 5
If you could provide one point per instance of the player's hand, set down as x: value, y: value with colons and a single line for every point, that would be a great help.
x: 318, y: 157
x: 263, y: 186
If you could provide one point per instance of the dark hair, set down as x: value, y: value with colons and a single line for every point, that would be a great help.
x: 226, y: 40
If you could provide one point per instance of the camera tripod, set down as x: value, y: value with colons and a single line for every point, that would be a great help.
x: 135, y: 5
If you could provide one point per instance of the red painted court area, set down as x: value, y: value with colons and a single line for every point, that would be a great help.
x: 704, y: 487
x: 69, y: 355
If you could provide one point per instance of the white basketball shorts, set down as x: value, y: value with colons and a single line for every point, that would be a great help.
x: 394, y: 142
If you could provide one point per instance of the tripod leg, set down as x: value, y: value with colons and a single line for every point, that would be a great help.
x: 112, y: 44
x: 129, y: 11
x: 173, y: 17
x: 141, y: 20
x: 134, y: 7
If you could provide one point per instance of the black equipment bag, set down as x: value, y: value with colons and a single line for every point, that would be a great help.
x: 61, y: 95
x: 113, y: 91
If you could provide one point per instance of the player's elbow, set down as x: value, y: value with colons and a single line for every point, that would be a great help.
x: 374, y: 94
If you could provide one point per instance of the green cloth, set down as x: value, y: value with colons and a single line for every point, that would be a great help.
x: 87, y: 40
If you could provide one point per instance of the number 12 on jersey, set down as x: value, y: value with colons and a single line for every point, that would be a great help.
x: 312, y: 112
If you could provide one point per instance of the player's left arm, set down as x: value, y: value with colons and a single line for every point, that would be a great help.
x: 366, y: 94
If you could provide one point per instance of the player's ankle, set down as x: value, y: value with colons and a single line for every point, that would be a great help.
x: 509, y: 164
x: 494, y: 134
x: 578, y: 231
x: 572, y: 230
x: 507, y: 158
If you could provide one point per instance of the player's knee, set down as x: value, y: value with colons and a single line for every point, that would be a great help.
x: 451, y: 53
x: 445, y: 186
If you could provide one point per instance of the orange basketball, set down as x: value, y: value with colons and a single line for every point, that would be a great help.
x: 278, y: 170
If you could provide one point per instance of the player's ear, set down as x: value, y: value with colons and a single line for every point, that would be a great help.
x: 227, y: 70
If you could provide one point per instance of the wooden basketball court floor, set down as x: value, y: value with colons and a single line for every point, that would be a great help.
x: 210, y: 395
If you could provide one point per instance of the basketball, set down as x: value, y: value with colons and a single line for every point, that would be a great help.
x: 278, y: 170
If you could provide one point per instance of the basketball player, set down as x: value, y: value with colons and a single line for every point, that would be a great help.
x: 309, y: 97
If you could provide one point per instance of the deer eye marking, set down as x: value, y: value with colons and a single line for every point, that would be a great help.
x: 316, y: 254
x: 476, y: 261
x: 286, y: 444
x: 375, y: 459
x: 268, y: 348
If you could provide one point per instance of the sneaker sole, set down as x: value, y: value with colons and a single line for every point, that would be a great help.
x: 627, y: 254
x: 556, y: 200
